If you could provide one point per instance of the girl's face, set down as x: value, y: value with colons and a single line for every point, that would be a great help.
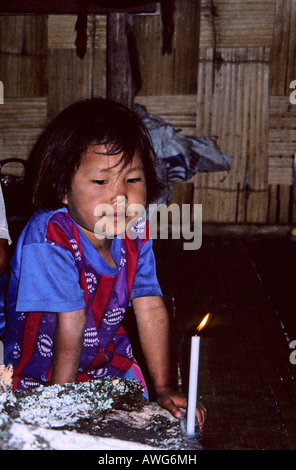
x: 102, y: 194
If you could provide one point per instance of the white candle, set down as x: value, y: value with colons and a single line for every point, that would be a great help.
x: 193, y: 384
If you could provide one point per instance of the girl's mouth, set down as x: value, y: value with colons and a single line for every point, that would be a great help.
x: 117, y: 215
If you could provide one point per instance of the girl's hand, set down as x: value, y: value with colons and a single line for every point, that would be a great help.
x: 172, y: 401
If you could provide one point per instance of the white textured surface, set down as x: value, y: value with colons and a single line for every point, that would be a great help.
x: 28, y: 438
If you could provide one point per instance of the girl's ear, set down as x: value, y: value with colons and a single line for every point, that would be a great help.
x: 65, y: 199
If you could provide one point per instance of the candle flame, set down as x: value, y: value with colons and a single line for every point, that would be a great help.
x: 203, y: 322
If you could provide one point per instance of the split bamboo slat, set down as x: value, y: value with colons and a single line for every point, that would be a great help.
x: 236, y: 23
x: 22, y: 120
x: 232, y: 109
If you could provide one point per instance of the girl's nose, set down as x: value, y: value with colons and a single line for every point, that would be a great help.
x: 119, y: 192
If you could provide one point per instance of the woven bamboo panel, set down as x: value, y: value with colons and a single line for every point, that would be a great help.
x: 69, y: 77
x: 72, y: 79
x: 283, y: 66
x: 23, y: 55
x: 236, y: 23
x: 282, y: 140
x: 284, y: 204
x: 22, y: 120
x: 173, y: 74
x: 281, y: 205
x: 62, y: 34
x: 232, y: 109
x: 252, y: 207
x: 280, y: 170
x: 218, y: 205
x: 230, y: 206
x: 178, y: 110
x: 21, y: 34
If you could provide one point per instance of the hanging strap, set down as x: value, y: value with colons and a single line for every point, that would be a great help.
x: 167, y: 14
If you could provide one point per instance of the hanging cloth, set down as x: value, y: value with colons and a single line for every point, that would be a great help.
x: 167, y: 13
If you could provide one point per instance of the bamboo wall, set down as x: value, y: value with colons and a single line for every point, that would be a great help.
x: 245, y: 65
x: 247, y: 61
x: 234, y: 88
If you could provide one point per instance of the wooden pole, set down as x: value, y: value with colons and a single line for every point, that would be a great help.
x: 119, y: 77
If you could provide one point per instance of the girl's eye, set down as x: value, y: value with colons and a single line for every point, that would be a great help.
x: 100, y: 182
x: 134, y: 180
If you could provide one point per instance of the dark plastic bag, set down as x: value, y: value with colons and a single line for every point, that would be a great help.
x: 14, y: 190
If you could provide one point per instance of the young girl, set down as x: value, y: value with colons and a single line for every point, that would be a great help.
x: 70, y: 286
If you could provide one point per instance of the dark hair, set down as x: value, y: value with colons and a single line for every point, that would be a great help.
x: 58, y: 152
